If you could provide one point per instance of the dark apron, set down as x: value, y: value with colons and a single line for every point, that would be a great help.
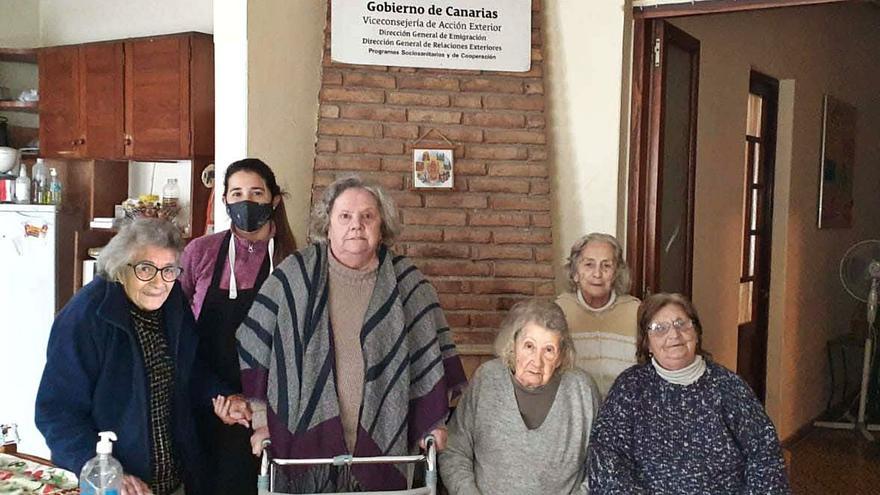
x: 232, y: 468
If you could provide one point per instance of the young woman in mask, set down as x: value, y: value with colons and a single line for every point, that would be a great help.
x: 222, y: 274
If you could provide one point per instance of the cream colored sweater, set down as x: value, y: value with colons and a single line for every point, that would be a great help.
x: 605, y: 341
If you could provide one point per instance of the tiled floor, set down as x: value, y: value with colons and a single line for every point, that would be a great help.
x: 830, y: 462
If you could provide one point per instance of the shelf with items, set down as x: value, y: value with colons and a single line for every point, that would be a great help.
x: 19, y: 106
x: 22, y: 137
x: 85, y: 240
x: 18, y: 74
x: 23, y: 55
x: 95, y: 186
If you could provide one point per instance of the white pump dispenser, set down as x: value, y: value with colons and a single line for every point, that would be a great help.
x: 104, y: 446
x: 102, y: 475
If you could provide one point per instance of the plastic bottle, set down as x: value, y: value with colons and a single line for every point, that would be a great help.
x: 170, y: 194
x: 22, y: 186
x: 53, y: 188
x: 102, y: 475
x: 40, y: 177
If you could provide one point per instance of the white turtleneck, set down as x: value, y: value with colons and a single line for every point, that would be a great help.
x: 607, y: 305
x: 685, y: 376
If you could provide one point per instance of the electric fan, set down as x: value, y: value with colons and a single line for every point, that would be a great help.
x: 860, y: 276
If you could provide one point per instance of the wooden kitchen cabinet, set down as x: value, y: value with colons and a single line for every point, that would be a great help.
x: 81, y: 92
x: 143, y: 99
x: 59, y: 101
x: 101, y: 110
x: 169, y: 97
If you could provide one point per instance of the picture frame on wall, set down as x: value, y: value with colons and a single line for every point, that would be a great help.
x: 433, y: 168
x: 838, y: 162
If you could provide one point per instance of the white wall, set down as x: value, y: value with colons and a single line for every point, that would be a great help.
x: 19, y: 23
x: 584, y: 51
x: 285, y: 45
x: 231, y: 89
x: 268, y: 74
x: 78, y: 21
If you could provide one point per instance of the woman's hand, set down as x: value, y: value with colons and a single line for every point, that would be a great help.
x: 439, y: 439
x: 132, y: 485
x: 232, y: 410
x: 257, y: 438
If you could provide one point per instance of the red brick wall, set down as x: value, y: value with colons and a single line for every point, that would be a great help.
x: 487, y: 243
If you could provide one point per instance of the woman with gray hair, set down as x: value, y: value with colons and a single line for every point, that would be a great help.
x: 523, y: 424
x: 348, y: 346
x: 122, y: 357
x: 679, y: 422
x: 600, y: 313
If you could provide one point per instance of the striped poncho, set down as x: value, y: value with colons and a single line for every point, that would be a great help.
x: 288, y: 360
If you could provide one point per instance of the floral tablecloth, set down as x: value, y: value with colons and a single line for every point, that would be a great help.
x: 22, y: 477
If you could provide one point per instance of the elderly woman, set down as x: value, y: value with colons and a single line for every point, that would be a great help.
x: 347, y: 344
x: 600, y: 313
x: 680, y: 423
x: 524, y: 422
x: 122, y: 357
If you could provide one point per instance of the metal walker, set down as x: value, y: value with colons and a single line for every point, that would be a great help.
x: 266, y: 479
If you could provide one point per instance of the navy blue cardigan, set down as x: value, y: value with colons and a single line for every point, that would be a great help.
x: 711, y: 436
x: 95, y: 380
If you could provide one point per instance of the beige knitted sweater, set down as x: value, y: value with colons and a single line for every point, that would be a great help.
x: 350, y: 292
x: 605, y: 341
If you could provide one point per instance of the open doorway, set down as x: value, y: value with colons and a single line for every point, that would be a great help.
x: 812, y: 50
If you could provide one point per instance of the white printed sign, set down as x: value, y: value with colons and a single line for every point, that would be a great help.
x: 446, y: 34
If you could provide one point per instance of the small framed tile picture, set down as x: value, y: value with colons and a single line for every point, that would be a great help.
x: 433, y: 168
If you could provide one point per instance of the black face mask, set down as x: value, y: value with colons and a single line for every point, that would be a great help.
x: 249, y: 216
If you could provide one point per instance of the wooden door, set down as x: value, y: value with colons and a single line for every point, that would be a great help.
x: 663, y: 168
x: 101, y: 102
x: 157, y: 98
x: 60, y: 131
x: 754, y: 293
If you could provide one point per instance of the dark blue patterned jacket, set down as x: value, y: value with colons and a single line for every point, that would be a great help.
x: 710, y: 437
x: 94, y: 380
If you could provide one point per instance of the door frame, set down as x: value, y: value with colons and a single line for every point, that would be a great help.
x: 719, y: 6
x: 638, y: 204
x: 646, y: 133
x: 751, y: 360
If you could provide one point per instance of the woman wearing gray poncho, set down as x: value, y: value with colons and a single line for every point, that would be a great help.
x: 523, y: 424
x: 348, y: 346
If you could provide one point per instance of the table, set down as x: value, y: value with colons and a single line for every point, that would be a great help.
x: 25, y: 474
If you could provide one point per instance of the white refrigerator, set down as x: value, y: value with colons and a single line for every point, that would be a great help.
x: 31, y: 286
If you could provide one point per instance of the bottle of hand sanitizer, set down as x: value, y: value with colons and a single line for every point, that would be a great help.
x: 22, y: 186
x: 102, y: 475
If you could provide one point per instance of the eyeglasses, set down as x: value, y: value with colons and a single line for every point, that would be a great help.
x: 145, y: 271
x: 661, y: 328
